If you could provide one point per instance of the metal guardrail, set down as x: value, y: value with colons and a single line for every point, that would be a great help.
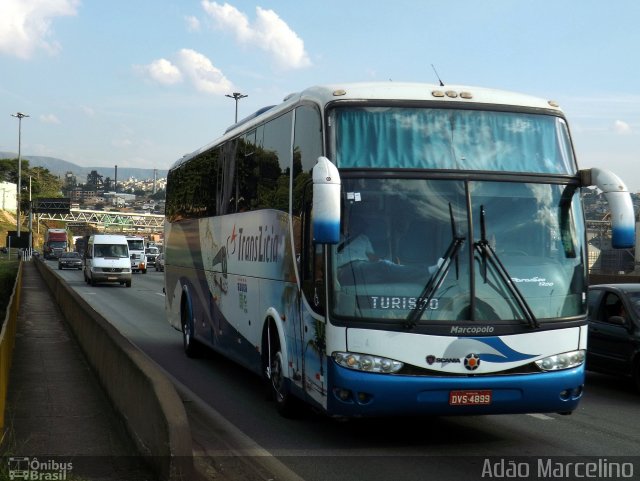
x: 7, y: 342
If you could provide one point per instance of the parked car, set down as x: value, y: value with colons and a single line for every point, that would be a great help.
x: 69, y: 260
x: 160, y: 263
x: 613, y: 345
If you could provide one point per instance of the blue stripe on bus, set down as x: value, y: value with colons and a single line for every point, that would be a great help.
x: 326, y: 231
x: 623, y: 237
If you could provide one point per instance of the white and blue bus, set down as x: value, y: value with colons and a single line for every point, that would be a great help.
x: 391, y: 248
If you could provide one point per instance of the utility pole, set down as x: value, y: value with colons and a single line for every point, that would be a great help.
x: 19, y: 116
x: 236, y: 96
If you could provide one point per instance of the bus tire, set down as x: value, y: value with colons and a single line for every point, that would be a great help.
x: 286, y: 404
x: 189, y: 344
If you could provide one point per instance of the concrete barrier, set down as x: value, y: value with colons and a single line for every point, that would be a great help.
x: 145, y: 398
x: 7, y: 341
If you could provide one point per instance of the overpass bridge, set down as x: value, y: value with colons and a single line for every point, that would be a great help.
x: 105, y: 221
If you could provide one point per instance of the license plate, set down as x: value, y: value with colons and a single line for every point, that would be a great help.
x: 469, y: 398
x: 112, y: 278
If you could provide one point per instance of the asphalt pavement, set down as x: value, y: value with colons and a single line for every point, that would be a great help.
x: 58, y: 418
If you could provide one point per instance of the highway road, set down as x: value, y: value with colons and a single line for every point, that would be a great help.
x: 604, y: 432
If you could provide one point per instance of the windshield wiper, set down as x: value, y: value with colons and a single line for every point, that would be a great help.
x: 436, y: 280
x: 489, y: 256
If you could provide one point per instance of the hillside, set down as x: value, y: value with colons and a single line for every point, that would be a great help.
x: 60, y: 167
x: 8, y: 223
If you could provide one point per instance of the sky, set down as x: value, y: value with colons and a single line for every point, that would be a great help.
x: 140, y: 83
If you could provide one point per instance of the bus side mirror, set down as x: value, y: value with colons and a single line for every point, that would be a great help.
x: 326, y: 202
x: 623, y: 227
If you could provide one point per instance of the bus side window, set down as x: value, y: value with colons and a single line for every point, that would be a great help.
x: 307, y: 147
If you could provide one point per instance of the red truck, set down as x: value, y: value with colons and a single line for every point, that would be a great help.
x: 55, y: 243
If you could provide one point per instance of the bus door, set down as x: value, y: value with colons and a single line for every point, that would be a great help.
x: 312, y: 311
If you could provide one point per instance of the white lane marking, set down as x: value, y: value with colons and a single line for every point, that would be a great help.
x: 544, y: 417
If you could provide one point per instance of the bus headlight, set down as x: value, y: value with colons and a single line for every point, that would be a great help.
x: 366, y: 362
x: 566, y: 360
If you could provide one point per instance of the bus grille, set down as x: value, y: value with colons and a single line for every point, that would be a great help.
x: 409, y: 370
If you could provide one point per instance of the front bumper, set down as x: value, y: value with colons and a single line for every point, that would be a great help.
x: 388, y: 394
x: 120, y: 277
x: 71, y: 265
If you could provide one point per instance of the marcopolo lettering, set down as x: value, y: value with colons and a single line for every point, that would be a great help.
x: 472, y: 330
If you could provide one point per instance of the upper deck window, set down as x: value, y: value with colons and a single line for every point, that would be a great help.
x: 427, y: 138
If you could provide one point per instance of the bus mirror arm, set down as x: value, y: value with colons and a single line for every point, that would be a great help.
x: 623, y: 234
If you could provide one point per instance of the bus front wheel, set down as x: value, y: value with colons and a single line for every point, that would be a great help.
x: 188, y: 342
x: 278, y: 386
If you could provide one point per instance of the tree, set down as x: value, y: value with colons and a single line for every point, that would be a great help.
x: 43, y: 182
x: 159, y: 195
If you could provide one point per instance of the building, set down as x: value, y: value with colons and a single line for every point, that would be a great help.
x: 8, y: 197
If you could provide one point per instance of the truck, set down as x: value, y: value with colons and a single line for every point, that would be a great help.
x: 152, y: 252
x: 55, y: 243
x: 80, y: 243
x: 137, y: 255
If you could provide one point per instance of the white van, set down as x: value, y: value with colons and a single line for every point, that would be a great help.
x: 106, y: 259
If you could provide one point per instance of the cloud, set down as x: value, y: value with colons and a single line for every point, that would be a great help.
x: 49, y: 119
x: 193, y: 24
x: 269, y: 33
x: 202, y: 73
x: 88, y: 111
x: 163, y: 72
x: 190, y: 65
x: 621, y: 127
x: 25, y: 25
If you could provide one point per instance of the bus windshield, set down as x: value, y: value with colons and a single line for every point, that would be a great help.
x: 396, y: 234
x: 429, y: 138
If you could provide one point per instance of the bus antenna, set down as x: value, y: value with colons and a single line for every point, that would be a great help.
x: 438, y: 76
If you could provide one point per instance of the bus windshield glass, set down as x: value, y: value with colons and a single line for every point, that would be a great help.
x: 426, y: 138
x: 398, y: 233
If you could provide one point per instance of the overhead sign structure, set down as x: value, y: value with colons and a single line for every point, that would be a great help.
x: 22, y: 242
x: 56, y: 205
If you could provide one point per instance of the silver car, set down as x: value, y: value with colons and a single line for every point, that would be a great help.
x: 69, y: 260
x: 160, y: 263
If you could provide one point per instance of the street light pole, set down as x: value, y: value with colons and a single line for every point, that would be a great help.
x: 30, y: 221
x: 236, y: 96
x: 19, y: 116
